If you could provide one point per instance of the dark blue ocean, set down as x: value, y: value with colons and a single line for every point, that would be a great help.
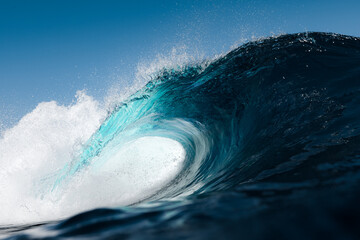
x: 269, y: 138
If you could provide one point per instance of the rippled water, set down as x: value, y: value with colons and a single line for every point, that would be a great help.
x: 261, y: 143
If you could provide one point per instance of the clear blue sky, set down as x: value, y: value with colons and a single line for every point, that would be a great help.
x: 51, y: 49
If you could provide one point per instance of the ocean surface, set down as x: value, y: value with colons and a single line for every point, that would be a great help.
x: 260, y: 143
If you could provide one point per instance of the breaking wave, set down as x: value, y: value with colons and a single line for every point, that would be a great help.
x: 203, y: 144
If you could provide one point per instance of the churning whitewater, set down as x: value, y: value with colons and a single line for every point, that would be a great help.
x: 204, y: 149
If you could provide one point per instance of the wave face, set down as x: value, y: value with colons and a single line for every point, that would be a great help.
x: 263, y: 142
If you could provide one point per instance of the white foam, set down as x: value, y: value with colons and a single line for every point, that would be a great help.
x: 34, y: 151
x: 137, y: 170
x: 41, y: 143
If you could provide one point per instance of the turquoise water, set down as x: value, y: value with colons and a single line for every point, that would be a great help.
x: 261, y: 143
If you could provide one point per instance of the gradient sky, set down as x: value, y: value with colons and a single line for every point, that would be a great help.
x: 51, y: 49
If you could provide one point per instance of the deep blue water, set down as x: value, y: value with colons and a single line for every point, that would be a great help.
x: 271, y: 132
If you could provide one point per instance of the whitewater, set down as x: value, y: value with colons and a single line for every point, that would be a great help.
x: 260, y: 142
x: 35, y: 150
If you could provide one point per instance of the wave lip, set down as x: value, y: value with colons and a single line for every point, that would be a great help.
x: 259, y: 130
